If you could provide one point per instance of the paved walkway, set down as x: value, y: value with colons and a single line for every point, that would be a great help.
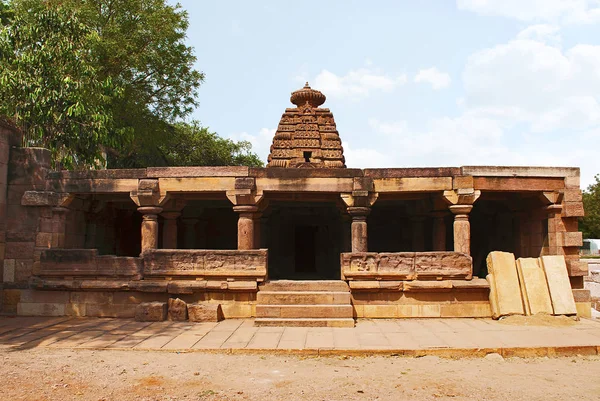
x: 411, y: 337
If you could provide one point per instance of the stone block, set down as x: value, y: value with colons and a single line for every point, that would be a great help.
x: 23, y: 269
x: 9, y: 271
x: 505, y: 291
x: 236, y: 310
x: 201, y: 312
x: 76, y: 310
x: 37, y: 296
x: 112, y: 310
x: 11, y: 297
x: 573, y: 195
x: 428, y: 286
x: 571, y: 238
x: 573, y: 209
x: 381, y: 311
x: 40, y: 309
x: 559, y: 285
x: 43, y: 240
x: 464, y: 309
x: 582, y: 296
x: 534, y: 288
x: 584, y: 309
x: 19, y: 250
x: 91, y: 297
x: 177, y: 310
x: 577, y: 268
x: 151, y: 312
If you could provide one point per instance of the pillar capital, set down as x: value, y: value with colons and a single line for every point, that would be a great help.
x: 149, y: 210
x: 460, y: 210
x: 554, y: 209
x: 359, y: 211
x: 170, y: 215
x: 245, y: 209
x: 462, y: 196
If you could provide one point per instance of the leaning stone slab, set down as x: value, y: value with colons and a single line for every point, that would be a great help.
x: 205, y: 312
x: 534, y: 287
x: 177, y: 310
x: 151, y: 312
x: 505, y: 291
x: 559, y: 285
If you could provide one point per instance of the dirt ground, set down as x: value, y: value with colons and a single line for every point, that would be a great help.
x: 47, y: 374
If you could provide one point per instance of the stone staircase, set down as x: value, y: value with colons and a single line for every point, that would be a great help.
x: 304, y: 304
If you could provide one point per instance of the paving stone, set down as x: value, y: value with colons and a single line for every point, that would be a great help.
x: 563, y: 302
x: 505, y: 291
x: 534, y: 287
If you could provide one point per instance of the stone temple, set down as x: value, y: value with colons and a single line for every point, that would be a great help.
x: 304, y: 241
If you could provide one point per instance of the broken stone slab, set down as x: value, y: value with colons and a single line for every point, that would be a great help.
x: 505, y: 291
x: 205, y: 312
x: 177, y: 310
x: 559, y: 285
x: 151, y: 312
x: 534, y: 287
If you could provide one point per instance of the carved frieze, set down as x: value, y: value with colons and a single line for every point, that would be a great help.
x: 407, y: 265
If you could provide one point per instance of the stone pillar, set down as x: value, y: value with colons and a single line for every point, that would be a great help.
x: 554, y: 229
x: 189, y: 233
x: 59, y: 219
x: 359, y: 228
x: 418, y: 234
x: 439, y: 232
x: 149, y: 226
x: 462, y: 228
x: 169, y: 234
x: 246, y: 226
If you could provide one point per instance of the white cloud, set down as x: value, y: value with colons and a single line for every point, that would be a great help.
x: 564, y: 11
x: 261, y: 142
x: 365, y: 157
x: 541, y: 32
x: 530, y: 81
x: 434, y: 77
x: 357, y: 83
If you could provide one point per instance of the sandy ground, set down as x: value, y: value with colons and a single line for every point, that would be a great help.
x: 61, y: 374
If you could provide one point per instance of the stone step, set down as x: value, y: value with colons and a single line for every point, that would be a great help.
x: 308, y: 322
x: 305, y: 285
x: 302, y: 298
x: 304, y: 311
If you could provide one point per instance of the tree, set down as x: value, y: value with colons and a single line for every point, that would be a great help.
x: 590, y: 224
x: 50, y: 84
x: 86, y: 76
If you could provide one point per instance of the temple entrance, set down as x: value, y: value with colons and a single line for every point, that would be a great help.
x: 304, y: 239
x: 305, y: 249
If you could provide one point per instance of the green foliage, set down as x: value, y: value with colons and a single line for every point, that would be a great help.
x: 590, y: 224
x: 81, y: 77
x: 191, y: 145
x: 50, y: 84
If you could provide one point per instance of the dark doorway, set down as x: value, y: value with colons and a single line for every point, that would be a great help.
x: 304, y: 239
x: 305, y: 249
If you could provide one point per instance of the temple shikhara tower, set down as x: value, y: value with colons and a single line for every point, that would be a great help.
x: 305, y: 241
x: 307, y: 135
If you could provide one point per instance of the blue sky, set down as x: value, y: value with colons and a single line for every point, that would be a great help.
x: 411, y: 83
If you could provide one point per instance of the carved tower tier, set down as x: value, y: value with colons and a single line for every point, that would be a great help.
x: 307, y: 135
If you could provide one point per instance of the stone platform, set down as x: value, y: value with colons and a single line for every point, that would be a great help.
x: 409, y: 337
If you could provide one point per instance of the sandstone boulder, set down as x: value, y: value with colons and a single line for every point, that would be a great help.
x: 205, y: 312
x: 177, y: 310
x: 151, y: 312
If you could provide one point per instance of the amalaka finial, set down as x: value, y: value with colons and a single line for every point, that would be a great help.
x: 307, y: 95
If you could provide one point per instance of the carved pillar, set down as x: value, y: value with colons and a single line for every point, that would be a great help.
x: 418, y: 234
x: 439, y: 231
x: 189, y: 232
x: 359, y: 228
x: 169, y: 233
x: 149, y: 226
x: 59, y: 220
x: 246, y: 226
x: 462, y: 228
